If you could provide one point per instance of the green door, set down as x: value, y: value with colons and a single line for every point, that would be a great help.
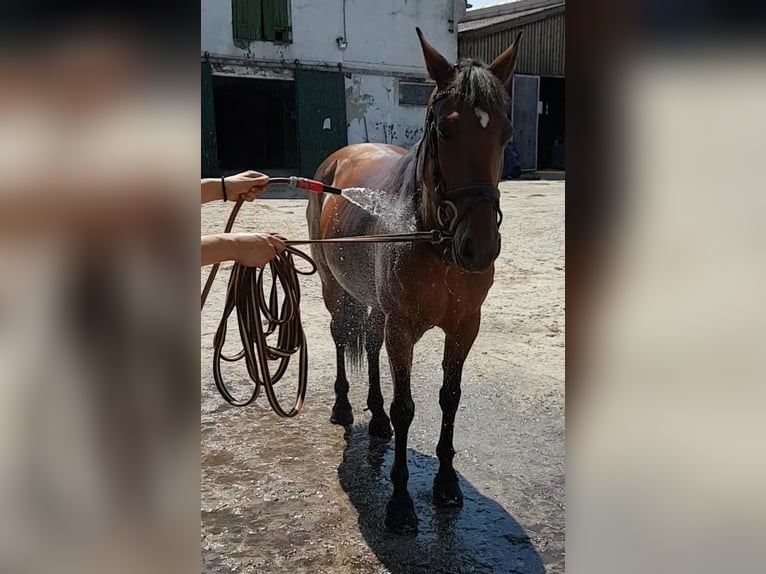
x: 209, y: 144
x: 321, y: 105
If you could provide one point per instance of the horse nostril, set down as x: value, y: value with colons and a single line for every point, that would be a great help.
x: 467, y: 250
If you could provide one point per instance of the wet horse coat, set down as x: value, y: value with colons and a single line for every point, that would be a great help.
x: 394, y: 293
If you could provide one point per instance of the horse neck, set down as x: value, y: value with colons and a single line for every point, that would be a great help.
x: 415, y: 192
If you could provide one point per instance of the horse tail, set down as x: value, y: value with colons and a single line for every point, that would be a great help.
x: 326, y: 174
x: 314, y: 214
x: 355, y: 323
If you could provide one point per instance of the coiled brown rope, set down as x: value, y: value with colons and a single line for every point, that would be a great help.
x: 260, y: 317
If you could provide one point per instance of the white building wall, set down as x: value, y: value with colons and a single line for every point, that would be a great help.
x: 381, y: 37
x: 380, y: 33
x: 373, y: 112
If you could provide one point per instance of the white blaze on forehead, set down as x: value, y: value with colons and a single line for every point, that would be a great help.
x: 483, y: 116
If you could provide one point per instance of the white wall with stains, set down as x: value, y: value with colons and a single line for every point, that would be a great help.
x: 380, y: 33
x: 382, y: 46
x: 373, y: 112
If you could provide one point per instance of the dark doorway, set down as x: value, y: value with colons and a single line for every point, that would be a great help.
x: 550, y: 143
x: 525, y: 119
x: 255, y: 124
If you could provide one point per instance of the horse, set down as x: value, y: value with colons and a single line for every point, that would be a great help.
x: 394, y: 293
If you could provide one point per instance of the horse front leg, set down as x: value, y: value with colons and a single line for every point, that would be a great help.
x: 400, y: 511
x: 458, y: 341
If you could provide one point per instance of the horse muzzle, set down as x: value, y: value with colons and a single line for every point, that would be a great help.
x: 465, y: 256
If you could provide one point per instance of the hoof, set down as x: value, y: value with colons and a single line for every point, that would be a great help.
x: 401, y: 517
x: 342, y: 415
x: 380, y: 427
x: 447, y: 492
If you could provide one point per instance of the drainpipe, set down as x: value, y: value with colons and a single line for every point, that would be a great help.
x: 344, y: 20
x: 342, y: 41
x: 453, y: 22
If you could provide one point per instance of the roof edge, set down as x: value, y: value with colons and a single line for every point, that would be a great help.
x: 522, y: 20
x: 506, y: 8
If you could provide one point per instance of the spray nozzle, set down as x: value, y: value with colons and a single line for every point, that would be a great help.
x: 312, y: 185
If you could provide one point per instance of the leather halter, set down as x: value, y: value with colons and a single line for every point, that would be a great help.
x: 452, y: 204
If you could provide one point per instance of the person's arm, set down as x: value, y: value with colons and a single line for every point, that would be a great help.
x: 248, y: 249
x: 246, y: 185
x: 211, y: 190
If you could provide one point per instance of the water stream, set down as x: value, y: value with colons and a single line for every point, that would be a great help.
x: 384, y: 207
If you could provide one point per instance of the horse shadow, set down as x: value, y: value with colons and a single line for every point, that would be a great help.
x: 479, y: 538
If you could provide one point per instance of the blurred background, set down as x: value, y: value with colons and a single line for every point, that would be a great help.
x: 665, y: 283
x: 99, y: 148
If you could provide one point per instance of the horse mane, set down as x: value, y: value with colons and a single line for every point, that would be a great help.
x: 475, y: 85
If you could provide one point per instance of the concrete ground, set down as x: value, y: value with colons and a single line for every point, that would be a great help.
x: 301, y: 496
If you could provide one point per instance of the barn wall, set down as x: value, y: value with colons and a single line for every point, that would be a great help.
x: 380, y: 35
x: 373, y: 112
x: 383, y: 49
x: 542, y: 50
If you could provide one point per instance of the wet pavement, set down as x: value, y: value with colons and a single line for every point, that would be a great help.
x: 301, y: 495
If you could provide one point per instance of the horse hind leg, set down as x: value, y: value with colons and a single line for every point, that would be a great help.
x: 347, y: 328
x: 380, y: 424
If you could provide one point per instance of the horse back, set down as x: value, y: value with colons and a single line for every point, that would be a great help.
x: 359, y: 165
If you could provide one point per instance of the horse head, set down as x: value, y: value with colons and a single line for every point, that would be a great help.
x: 461, y: 153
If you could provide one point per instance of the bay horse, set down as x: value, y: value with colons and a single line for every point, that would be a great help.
x: 394, y: 293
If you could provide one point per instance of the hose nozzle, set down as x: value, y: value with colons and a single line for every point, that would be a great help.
x: 312, y: 185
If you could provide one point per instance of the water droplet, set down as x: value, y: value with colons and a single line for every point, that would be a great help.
x: 383, y: 206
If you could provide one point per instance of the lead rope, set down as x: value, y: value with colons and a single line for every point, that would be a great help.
x: 260, y: 316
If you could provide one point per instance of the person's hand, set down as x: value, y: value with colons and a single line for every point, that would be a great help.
x: 256, y: 249
x: 246, y: 185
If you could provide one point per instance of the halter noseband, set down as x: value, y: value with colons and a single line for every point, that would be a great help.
x: 452, y: 204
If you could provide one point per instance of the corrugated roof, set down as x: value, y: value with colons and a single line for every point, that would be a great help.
x: 505, y: 8
x: 528, y: 15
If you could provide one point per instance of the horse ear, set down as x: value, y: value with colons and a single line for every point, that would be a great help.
x: 504, y: 64
x: 440, y: 70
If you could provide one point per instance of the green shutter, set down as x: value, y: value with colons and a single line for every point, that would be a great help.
x: 320, y: 99
x: 209, y: 144
x: 276, y: 24
x: 246, y: 20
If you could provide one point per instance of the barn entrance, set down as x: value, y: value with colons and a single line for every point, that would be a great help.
x: 524, y: 117
x: 550, y: 143
x: 255, y: 123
